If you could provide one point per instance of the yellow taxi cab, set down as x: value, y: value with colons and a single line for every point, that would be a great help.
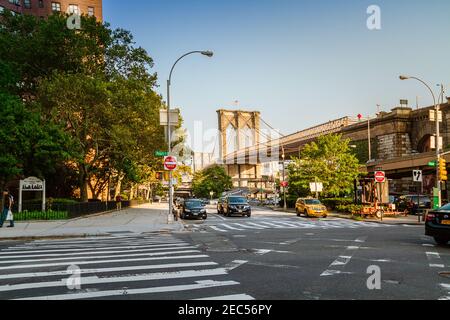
x: 310, y: 208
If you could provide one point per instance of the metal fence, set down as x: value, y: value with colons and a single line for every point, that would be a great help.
x: 80, y: 209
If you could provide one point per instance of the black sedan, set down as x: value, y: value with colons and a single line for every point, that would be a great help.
x: 438, y: 225
x: 193, y: 208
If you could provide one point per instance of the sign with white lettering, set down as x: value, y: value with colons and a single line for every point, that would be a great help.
x: 32, y: 184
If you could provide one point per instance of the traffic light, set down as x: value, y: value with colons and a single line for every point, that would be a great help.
x: 443, y: 170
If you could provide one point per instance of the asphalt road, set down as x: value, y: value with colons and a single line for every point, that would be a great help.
x: 269, y: 256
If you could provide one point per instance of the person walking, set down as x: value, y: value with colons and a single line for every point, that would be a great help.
x: 119, y: 202
x: 8, y: 201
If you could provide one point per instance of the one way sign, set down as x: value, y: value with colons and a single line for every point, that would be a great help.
x: 417, y: 176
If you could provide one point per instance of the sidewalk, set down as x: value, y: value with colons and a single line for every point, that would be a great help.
x: 409, y: 220
x: 142, y: 219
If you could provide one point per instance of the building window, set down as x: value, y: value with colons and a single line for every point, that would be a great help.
x: 73, y: 9
x: 91, y: 11
x: 56, y: 6
x: 2, y: 9
x: 16, y: 2
x: 27, y: 4
x: 41, y: 3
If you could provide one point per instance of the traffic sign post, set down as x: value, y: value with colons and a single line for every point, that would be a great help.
x: 380, y: 177
x: 418, y: 177
x: 170, y: 163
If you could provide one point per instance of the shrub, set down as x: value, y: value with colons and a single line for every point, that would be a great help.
x: 39, y: 215
x: 351, y: 208
x: 334, y: 203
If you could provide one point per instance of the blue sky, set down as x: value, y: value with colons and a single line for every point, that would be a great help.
x: 300, y: 63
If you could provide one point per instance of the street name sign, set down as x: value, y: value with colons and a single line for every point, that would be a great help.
x: 380, y: 176
x: 170, y: 163
x: 161, y: 153
x: 417, y: 176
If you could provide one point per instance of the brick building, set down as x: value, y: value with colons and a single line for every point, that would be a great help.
x: 44, y: 8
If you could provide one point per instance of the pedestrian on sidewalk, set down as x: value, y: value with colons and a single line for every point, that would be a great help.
x: 8, y: 201
x: 119, y: 202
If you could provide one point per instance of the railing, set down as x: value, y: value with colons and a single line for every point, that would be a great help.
x: 80, y: 209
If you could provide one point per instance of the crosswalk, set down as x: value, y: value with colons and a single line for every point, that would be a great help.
x: 234, y: 225
x: 157, y: 267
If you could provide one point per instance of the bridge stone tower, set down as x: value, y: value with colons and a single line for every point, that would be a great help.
x: 239, y: 129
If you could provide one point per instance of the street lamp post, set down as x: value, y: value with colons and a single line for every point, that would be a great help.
x: 438, y: 156
x: 169, y: 137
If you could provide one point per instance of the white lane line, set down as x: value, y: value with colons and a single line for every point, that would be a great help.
x: 102, y: 256
x: 91, y: 249
x: 246, y: 226
x: 428, y: 245
x: 107, y: 280
x: 95, y: 240
x: 220, y: 217
x: 87, y: 295
x: 343, y: 260
x: 276, y: 226
x: 116, y: 269
x: 32, y: 247
x: 68, y: 263
x: 217, y: 229
x: 235, y: 297
x: 287, y: 224
x: 230, y: 227
x: 258, y: 225
x: 433, y: 255
x: 435, y: 265
x: 235, y: 264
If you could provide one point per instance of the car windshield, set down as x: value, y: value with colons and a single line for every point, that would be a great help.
x: 312, y: 202
x: 237, y: 200
x: 193, y: 203
x: 445, y: 208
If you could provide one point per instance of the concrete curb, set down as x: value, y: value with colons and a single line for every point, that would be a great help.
x: 380, y: 222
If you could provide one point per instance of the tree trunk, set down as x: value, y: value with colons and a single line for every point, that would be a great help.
x: 118, y: 186
x: 131, y: 196
x: 84, y: 186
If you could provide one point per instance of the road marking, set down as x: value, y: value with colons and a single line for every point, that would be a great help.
x: 68, y: 263
x: 220, y: 217
x: 110, y: 270
x: 343, y: 260
x: 276, y: 226
x: 101, y: 256
x: 246, y: 227
x: 433, y: 255
x: 258, y: 225
x: 235, y: 264
x: 105, y: 280
x: 95, y: 240
x: 217, y: 229
x: 436, y: 265
x: 230, y: 227
x: 109, y: 293
x: 89, y: 249
x: 96, y: 245
x: 235, y: 297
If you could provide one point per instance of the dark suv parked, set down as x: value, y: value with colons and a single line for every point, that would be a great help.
x: 234, y: 205
x: 438, y: 225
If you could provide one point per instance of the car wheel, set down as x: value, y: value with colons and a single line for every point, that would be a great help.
x: 325, y: 217
x: 306, y: 213
x: 205, y: 217
x: 441, y: 241
x: 249, y: 215
x: 298, y: 212
x: 183, y: 216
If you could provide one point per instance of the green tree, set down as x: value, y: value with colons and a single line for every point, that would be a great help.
x: 328, y: 160
x: 213, y: 179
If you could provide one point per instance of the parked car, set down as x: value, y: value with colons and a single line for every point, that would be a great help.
x: 220, y: 206
x: 310, y: 208
x: 235, y: 205
x: 193, y: 208
x: 413, y: 203
x: 438, y: 225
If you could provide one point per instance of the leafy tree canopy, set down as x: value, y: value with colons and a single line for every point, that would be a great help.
x: 213, y: 179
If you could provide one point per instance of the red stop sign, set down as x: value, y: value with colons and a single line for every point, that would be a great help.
x: 170, y: 163
x: 380, y: 176
x: 284, y: 184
